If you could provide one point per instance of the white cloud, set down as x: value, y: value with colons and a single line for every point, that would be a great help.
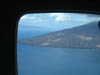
x: 60, y: 17
x: 39, y: 20
x: 28, y: 17
x: 91, y: 19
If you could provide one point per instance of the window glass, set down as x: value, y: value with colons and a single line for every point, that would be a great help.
x: 58, y: 44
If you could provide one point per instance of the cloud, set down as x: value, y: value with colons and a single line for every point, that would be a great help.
x: 60, y: 17
x: 92, y: 15
x: 91, y: 18
x: 27, y: 17
x: 30, y: 19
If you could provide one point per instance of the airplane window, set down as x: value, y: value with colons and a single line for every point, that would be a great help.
x: 58, y: 44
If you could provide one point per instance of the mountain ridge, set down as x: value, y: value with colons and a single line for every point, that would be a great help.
x: 85, y: 36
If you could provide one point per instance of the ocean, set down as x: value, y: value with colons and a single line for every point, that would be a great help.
x: 39, y: 60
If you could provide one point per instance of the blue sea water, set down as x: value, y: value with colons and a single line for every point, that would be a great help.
x: 39, y: 60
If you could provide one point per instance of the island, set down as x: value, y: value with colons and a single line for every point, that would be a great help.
x: 84, y: 36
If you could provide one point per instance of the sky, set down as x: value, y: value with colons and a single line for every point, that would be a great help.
x: 54, y: 21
